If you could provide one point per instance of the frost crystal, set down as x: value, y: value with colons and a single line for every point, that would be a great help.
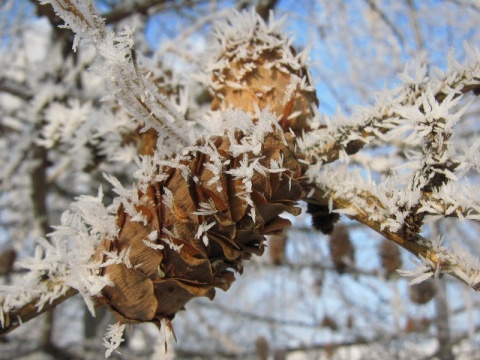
x: 66, y: 260
x: 113, y: 338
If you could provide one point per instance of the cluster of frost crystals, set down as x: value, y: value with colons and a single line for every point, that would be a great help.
x: 460, y: 263
x: 389, y: 118
x: 113, y: 338
x: 437, y: 176
x: 66, y: 260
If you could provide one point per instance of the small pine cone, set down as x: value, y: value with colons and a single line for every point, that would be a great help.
x: 261, y: 348
x: 276, y: 247
x: 279, y: 354
x: 423, y: 292
x: 261, y: 69
x: 341, y: 248
x: 390, y: 258
x: 322, y: 218
x: 330, y: 349
x: 183, y: 233
x: 7, y: 259
x: 329, y: 323
x: 350, y: 322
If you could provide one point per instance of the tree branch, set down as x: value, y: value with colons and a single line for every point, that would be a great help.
x: 17, y: 317
x: 383, y: 120
x: 410, y: 241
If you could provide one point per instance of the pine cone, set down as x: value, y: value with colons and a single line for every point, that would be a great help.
x: 187, y: 232
x: 390, y: 257
x: 262, y: 348
x: 423, y: 292
x: 210, y: 207
x: 342, y: 251
x: 276, y: 247
x: 329, y: 323
x: 322, y: 218
x: 7, y: 259
x: 261, y: 69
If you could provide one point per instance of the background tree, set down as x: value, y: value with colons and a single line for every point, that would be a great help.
x: 335, y: 296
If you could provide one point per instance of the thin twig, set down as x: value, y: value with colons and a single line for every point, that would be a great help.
x: 17, y: 317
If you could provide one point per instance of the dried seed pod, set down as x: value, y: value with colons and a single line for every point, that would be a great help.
x: 7, y: 259
x: 322, y: 218
x: 390, y: 257
x: 341, y: 248
x: 261, y: 69
x: 261, y: 348
x: 276, y: 247
x: 423, y: 292
x: 182, y: 235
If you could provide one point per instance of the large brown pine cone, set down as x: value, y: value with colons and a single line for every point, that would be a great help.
x: 174, y: 255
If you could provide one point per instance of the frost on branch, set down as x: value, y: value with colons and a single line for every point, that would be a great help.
x: 65, y: 261
x: 433, y: 180
x: 116, y: 62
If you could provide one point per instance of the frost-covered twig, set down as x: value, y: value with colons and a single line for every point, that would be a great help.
x: 117, y: 64
x: 15, y: 318
x: 62, y: 266
x: 344, y: 137
x: 430, y: 184
x: 361, y: 205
